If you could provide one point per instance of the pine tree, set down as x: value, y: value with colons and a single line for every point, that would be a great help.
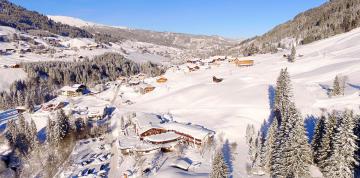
x: 21, y: 124
x: 318, y: 138
x: 297, y: 151
x: 292, y: 56
x: 258, y: 162
x: 49, y: 128
x: 342, y: 160
x: 33, y: 135
x: 252, y: 149
x: 219, y: 168
x: 326, y: 148
x: 336, y: 87
x: 270, y: 144
x: 250, y: 133
x: 283, y: 95
x: 63, y: 123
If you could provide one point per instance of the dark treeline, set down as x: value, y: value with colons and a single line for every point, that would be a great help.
x: 25, y: 20
x: 44, y: 78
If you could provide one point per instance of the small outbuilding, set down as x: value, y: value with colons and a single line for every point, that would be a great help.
x: 161, y: 80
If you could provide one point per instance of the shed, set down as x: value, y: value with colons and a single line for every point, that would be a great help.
x: 161, y: 80
x: 244, y: 63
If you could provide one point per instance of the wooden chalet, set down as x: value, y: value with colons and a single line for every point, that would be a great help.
x: 161, y: 80
x: 244, y: 63
x: 15, y: 66
x: 145, y: 88
x: 73, y: 91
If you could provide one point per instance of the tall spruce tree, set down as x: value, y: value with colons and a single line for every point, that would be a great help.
x: 63, y: 123
x: 292, y: 56
x: 219, y: 168
x: 283, y: 95
x: 326, y: 148
x: 270, y: 144
x: 342, y: 160
x: 258, y: 162
x: 297, y: 151
x: 336, y: 87
x: 291, y: 155
x: 316, y: 143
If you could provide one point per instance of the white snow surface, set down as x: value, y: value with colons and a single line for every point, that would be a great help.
x: 245, y: 95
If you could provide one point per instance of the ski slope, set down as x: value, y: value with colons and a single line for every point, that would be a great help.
x: 245, y: 95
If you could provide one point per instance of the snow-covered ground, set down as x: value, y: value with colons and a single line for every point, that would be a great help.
x: 245, y: 95
x: 8, y: 76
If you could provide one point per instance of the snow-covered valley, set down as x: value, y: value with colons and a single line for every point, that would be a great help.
x: 172, y: 125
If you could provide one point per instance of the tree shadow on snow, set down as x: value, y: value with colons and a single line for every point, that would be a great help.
x: 226, y: 150
x: 267, y: 122
x: 310, y: 124
x: 42, y: 135
x: 354, y: 86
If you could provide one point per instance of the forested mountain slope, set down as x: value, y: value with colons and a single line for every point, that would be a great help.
x: 30, y: 21
x: 331, y: 18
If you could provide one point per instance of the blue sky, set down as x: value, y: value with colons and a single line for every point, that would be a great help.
x: 229, y: 18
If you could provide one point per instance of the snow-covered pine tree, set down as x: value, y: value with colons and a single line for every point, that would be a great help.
x: 56, y: 134
x: 297, y: 151
x: 11, y: 132
x: 63, y: 122
x: 49, y: 128
x: 219, y: 168
x: 316, y: 143
x: 326, y: 148
x: 283, y: 95
x: 336, y: 87
x: 270, y: 144
x: 342, y: 160
x: 21, y: 124
x: 252, y: 149
x: 33, y: 135
x: 250, y: 133
x: 292, y: 56
x: 258, y: 162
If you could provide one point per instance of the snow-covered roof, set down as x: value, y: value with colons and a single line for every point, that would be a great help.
x: 208, y: 60
x: 191, y: 65
x: 182, y: 163
x: 135, y: 144
x: 78, y: 85
x: 68, y: 88
x: 195, y: 131
x: 163, y: 137
x: 145, y: 121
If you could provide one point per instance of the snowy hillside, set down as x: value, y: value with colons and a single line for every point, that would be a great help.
x: 71, y: 21
x: 245, y: 95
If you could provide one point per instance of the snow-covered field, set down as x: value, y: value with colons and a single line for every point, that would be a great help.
x: 245, y: 95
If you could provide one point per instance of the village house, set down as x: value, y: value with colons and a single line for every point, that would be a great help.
x: 219, y: 58
x: 146, y: 88
x: 54, y: 106
x: 244, y: 63
x: 161, y: 80
x: 73, y: 91
x: 193, y: 60
x: 192, y: 134
x: 96, y: 113
x: 134, y: 82
x: 193, y: 67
